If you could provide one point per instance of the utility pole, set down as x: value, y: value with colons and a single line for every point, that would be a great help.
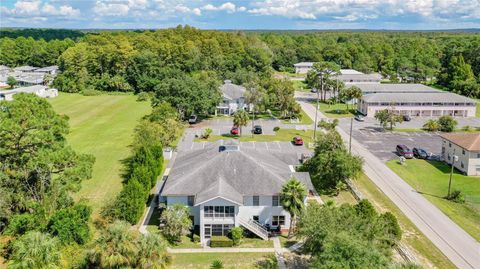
x: 350, y: 139
x: 316, y: 110
x: 451, y: 173
x: 253, y: 119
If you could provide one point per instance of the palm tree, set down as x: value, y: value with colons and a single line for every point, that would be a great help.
x: 240, y: 118
x: 152, y: 252
x: 115, y: 248
x: 431, y: 125
x: 292, y: 199
x: 35, y: 250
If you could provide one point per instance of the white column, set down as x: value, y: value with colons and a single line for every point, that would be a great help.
x: 237, y: 209
x: 202, y: 228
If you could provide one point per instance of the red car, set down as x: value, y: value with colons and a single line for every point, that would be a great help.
x: 234, y: 131
x: 298, y: 141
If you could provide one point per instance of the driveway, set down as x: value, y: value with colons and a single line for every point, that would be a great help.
x: 462, y: 249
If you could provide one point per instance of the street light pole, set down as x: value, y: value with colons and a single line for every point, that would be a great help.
x: 350, y: 139
x: 451, y: 173
x: 316, y: 110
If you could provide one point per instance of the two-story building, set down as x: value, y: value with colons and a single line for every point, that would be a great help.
x: 466, y: 146
x: 415, y: 100
x: 233, y: 98
x: 226, y: 186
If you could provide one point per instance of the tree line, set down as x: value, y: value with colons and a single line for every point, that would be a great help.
x: 45, y: 34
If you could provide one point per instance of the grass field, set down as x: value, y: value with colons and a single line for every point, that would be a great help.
x: 431, y: 179
x: 338, y: 110
x: 300, y: 85
x: 204, y: 260
x: 281, y: 135
x: 477, y: 112
x: 428, y: 254
x: 102, y: 126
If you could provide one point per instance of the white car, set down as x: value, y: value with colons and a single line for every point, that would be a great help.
x: 192, y: 119
x: 359, y: 117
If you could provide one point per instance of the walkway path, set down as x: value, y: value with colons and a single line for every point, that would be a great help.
x: 462, y: 249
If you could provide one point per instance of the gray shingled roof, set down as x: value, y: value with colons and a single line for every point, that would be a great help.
x: 417, y: 97
x: 304, y: 64
x: 232, y: 91
x: 47, y: 69
x: 395, y: 88
x: 208, y: 173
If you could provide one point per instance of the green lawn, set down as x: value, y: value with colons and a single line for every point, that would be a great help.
x: 281, y: 135
x: 255, y: 243
x: 304, y: 119
x: 477, y: 112
x: 204, y: 260
x: 341, y: 198
x: 426, y: 252
x: 431, y: 179
x: 103, y: 126
x: 338, y: 110
x: 300, y: 85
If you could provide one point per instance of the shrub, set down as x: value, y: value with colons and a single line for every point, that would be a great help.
x: 71, y: 224
x: 206, y: 133
x: 456, y: 196
x: 447, y: 123
x: 431, y: 125
x: 276, y: 128
x: 216, y: 264
x: 467, y: 128
x: 131, y: 202
x: 91, y: 92
x: 20, y: 224
x: 143, y: 96
x: 220, y: 241
x: 236, y: 234
x: 195, y: 238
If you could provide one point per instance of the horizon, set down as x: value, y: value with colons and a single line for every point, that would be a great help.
x: 280, y: 15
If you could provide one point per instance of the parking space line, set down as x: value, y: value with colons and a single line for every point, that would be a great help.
x: 266, y: 144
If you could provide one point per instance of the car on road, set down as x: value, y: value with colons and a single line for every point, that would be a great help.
x: 234, y: 130
x: 359, y: 117
x: 404, y: 151
x: 297, y: 141
x: 192, y: 119
x: 420, y: 153
x: 407, y: 118
x: 257, y: 129
x: 313, y: 90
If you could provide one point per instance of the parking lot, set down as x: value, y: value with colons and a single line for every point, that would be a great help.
x: 382, y: 144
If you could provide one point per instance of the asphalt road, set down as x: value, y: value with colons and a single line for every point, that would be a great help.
x: 462, y: 249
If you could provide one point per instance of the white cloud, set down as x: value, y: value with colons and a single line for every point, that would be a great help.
x: 37, y: 10
x: 228, y: 6
x: 352, y: 10
x: 27, y: 7
x: 241, y: 9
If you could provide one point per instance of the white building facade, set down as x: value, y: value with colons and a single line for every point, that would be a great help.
x: 466, y: 148
x: 415, y: 100
x: 232, y: 187
x: 233, y: 99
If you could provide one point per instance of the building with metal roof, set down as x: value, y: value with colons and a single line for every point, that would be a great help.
x: 413, y: 100
x: 39, y: 90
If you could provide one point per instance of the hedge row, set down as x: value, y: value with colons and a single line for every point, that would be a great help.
x: 220, y: 241
x: 143, y: 170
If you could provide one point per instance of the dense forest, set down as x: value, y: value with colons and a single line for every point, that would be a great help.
x: 45, y: 34
x: 139, y: 60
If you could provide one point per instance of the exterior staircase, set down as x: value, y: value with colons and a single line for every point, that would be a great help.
x: 254, y: 227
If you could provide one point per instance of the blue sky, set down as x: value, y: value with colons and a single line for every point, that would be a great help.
x: 246, y: 14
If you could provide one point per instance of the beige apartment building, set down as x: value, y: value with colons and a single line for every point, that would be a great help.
x: 467, y: 147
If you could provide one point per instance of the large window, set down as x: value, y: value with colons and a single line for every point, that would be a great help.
x: 278, y: 220
x: 275, y: 200
x: 256, y: 200
x: 218, y: 211
x: 217, y: 230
